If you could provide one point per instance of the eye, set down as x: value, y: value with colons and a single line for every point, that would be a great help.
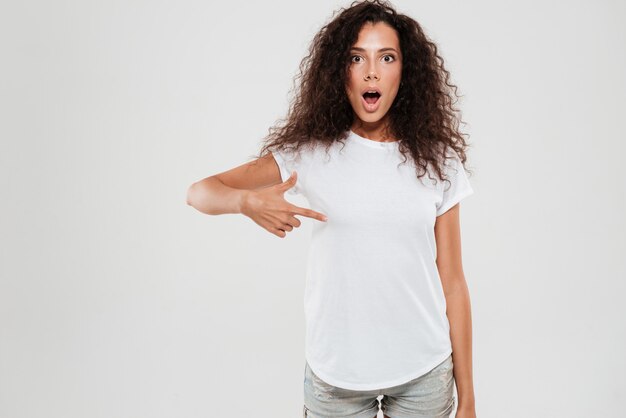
x: 353, y: 57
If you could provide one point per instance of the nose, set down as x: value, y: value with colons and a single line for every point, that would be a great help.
x: 371, y: 71
x: 371, y: 75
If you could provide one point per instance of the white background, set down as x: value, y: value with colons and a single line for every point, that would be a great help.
x: 119, y: 300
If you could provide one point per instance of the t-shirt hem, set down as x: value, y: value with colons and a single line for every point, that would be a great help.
x: 451, y: 203
x: 285, y: 172
x: 378, y: 385
x: 281, y: 165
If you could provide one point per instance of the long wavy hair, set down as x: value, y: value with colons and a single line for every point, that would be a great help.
x: 422, y: 116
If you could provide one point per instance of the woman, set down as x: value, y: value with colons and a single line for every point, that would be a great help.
x: 371, y: 141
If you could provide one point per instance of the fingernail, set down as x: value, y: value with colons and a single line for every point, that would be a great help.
x: 325, y: 218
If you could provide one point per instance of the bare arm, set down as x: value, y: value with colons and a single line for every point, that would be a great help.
x: 254, y: 189
x: 226, y: 192
x: 450, y: 266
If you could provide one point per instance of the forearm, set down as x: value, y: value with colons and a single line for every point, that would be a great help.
x: 212, y: 197
x: 460, y: 318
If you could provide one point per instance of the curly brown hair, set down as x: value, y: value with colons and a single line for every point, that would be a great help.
x: 422, y: 115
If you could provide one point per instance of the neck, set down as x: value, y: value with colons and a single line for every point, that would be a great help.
x: 375, y: 132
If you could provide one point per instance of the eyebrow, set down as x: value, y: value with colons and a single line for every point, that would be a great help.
x: 380, y: 50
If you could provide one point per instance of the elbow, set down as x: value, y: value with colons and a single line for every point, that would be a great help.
x: 199, y: 196
x: 190, y: 195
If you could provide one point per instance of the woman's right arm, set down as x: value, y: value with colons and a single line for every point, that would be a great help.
x: 225, y: 192
x: 254, y: 189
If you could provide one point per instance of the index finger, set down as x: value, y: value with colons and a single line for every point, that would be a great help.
x: 308, y: 213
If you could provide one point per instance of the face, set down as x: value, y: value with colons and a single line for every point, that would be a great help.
x: 375, y: 64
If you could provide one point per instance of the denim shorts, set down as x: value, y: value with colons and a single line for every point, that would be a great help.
x: 428, y: 396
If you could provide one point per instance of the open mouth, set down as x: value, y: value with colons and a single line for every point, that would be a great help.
x: 371, y: 98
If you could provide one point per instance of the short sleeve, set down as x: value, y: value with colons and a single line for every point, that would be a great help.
x: 289, y: 161
x: 456, y: 188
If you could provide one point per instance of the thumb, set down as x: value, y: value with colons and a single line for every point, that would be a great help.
x: 290, y: 182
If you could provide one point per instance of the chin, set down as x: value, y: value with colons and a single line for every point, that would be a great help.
x: 372, y: 117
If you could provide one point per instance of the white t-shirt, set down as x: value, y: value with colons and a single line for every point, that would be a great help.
x: 375, y: 312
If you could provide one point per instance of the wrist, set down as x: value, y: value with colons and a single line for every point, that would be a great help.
x: 242, y: 201
x: 465, y: 404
